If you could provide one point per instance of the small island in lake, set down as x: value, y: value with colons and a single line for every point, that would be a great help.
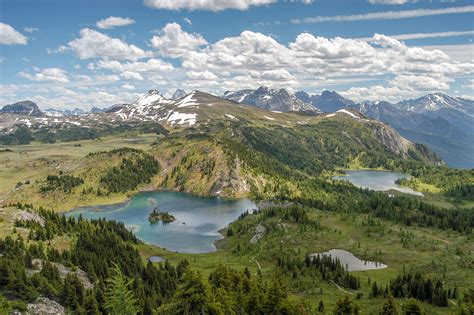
x: 157, y: 216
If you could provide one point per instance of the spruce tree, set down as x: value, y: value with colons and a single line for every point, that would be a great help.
x: 119, y: 298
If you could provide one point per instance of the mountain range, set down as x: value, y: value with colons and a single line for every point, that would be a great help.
x: 443, y: 123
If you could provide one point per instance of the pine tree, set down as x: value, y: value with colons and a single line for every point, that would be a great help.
x: 389, y: 307
x: 346, y: 306
x: 321, y: 306
x: 119, y: 298
x: 412, y: 307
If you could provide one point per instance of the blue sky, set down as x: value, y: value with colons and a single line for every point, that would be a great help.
x: 71, y: 53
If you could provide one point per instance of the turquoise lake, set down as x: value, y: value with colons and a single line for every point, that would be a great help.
x: 198, y: 219
x: 377, y: 180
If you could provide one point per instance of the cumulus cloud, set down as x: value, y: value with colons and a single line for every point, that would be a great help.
x: 93, y: 44
x: 248, y: 51
x: 130, y: 75
x: 47, y: 74
x: 114, y: 21
x: 174, y: 42
x: 10, y: 36
x: 211, y: 5
x: 252, y: 59
x: 203, y: 75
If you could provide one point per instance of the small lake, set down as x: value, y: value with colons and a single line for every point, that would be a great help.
x: 350, y: 261
x: 377, y: 180
x: 198, y: 219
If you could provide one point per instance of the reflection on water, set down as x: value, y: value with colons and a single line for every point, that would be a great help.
x: 351, y: 262
x: 377, y: 180
x: 198, y: 219
x: 156, y: 259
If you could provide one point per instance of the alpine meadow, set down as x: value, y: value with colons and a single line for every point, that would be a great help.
x: 237, y: 157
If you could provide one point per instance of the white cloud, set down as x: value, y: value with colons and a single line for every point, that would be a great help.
x: 47, y: 74
x: 10, y: 36
x: 204, y: 75
x: 423, y: 35
x: 114, y: 21
x: 211, y: 5
x: 400, y: 87
x: 390, y: 1
x: 249, y: 51
x: 420, y: 83
x: 30, y: 29
x: 387, y: 15
x: 461, y: 53
x: 128, y: 87
x: 93, y: 44
x: 187, y: 20
x: 174, y: 42
x: 130, y: 75
x: 150, y: 66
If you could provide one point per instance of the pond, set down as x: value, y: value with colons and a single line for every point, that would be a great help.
x: 377, y: 180
x: 198, y: 219
x: 350, y: 261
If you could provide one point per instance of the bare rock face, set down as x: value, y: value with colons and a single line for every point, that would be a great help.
x: 391, y: 139
x: 30, y: 216
x: 231, y: 179
x: 45, y: 306
x: 260, y: 231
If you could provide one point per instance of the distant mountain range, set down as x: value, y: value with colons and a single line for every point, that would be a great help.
x: 443, y: 123
x: 270, y: 99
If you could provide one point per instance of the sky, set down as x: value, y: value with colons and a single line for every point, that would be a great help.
x: 83, y: 53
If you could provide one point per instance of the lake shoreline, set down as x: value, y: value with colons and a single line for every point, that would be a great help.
x: 378, y: 180
x: 200, y: 220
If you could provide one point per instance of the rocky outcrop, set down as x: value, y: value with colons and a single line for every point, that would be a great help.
x: 391, y: 139
x: 30, y: 216
x: 45, y: 306
x: 260, y: 232
x: 63, y: 272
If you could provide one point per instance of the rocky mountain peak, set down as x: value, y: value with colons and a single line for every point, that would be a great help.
x: 178, y: 94
x: 27, y: 108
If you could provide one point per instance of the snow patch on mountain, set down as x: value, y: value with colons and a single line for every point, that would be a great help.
x: 188, y: 100
x: 182, y: 118
x: 343, y: 111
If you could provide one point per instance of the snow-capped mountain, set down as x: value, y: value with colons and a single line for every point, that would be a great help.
x: 178, y: 94
x: 154, y: 106
x: 437, y: 101
x: 458, y: 111
x: 269, y: 99
x: 27, y: 108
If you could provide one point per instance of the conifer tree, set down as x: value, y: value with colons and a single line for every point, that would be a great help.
x: 119, y: 298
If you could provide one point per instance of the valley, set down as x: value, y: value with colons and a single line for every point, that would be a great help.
x: 283, y: 163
